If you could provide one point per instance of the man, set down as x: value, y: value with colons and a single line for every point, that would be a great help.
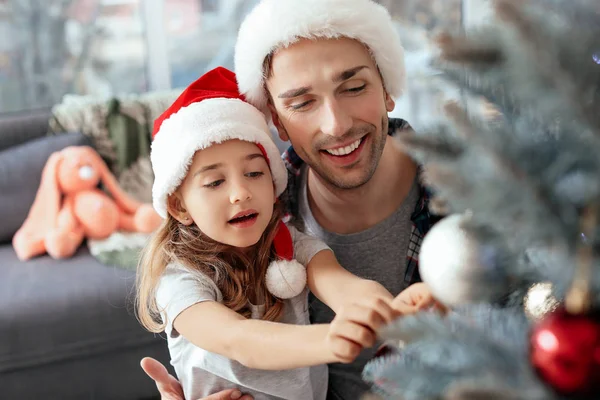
x: 328, y: 71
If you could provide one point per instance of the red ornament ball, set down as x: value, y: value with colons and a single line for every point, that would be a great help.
x: 565, y: 351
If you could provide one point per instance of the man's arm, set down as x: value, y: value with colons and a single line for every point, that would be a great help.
x: 170, y: 388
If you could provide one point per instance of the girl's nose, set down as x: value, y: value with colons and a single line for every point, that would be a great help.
x: 239, y: 194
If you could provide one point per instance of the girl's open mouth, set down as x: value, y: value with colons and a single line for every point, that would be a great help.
x: 244, y: 221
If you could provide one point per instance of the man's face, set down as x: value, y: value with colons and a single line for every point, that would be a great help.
x: 329, y: 101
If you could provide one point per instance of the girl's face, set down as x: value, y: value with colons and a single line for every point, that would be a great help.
x: 228, y: 193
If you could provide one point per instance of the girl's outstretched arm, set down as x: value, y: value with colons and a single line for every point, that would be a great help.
x: 276, y: 346
x: 254, y: 343
x: 337, y: 287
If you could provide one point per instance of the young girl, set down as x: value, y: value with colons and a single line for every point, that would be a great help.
x: 224, y: 277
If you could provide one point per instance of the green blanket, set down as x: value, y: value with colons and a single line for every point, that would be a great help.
x: 121, y: 131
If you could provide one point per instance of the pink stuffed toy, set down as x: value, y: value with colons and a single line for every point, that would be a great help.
x: 69, y: 207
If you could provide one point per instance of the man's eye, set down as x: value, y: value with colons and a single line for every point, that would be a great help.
x: 356, y: 89
x: 300, y: 106
x: 214, y: 184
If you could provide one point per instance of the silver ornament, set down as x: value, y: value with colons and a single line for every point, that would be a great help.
x: 457, y: 269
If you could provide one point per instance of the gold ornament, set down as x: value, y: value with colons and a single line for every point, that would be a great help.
x: 579, y: 298
x: 539, y: 301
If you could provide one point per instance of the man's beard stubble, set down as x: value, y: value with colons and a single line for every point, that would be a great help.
x: 375, y: 152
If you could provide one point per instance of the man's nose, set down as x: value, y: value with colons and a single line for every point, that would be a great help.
x: 335, y: 120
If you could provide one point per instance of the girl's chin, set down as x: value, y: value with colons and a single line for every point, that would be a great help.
x: 244, y: 244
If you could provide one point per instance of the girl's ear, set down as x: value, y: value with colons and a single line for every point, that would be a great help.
x: 176, y: 207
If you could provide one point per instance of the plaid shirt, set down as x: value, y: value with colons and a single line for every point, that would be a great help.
x: 421, y: 218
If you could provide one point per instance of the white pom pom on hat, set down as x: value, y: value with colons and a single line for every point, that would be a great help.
x: 285, y: 277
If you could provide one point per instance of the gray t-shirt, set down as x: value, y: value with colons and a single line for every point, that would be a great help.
x: 378, y: 253
x: 202, y: 373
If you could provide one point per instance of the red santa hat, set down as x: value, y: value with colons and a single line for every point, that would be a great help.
x: 276, y: 24
x: 211, y: 110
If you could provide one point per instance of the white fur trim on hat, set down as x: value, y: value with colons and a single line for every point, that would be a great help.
x: 285, y: 279
x: 274, y: 24
x: 198, y: 126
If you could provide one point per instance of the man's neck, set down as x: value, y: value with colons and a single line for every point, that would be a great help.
x: 346, y: 211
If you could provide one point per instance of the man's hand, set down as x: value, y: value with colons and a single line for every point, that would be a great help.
x: 170, y: 388
x: 415, y: 298
x: 355, y: 327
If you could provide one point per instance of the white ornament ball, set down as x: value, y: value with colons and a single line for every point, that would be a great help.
x: 451, y: 263
x: 286, y: 279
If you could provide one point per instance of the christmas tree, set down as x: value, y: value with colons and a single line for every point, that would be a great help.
x: 517, y: 260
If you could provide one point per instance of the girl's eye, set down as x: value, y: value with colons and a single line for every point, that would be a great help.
x: 300, y: 106
x: 356, y: 89
x: 255, y: 174
x: 214, y: 184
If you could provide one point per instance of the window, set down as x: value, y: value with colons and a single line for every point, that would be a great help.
x: 201, y: 35
x: 417, y: 23
x: 49, y: 48
x: 53, y: 47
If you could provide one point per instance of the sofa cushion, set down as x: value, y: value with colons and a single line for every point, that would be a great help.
x: 23, y: 126
x: 20, y: 174
x: 53, y: 311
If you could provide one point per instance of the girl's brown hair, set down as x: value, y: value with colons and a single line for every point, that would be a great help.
x: 240, y: 276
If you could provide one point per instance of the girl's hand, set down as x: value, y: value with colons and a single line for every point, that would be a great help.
x: 415, y: 298
x: 355, y: 327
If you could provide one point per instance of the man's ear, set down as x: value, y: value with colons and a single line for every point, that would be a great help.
x: 277, y: 122
x: 176, y: 207
x: 390, y: 104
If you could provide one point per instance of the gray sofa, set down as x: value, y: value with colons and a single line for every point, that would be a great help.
x: 67, y: 328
